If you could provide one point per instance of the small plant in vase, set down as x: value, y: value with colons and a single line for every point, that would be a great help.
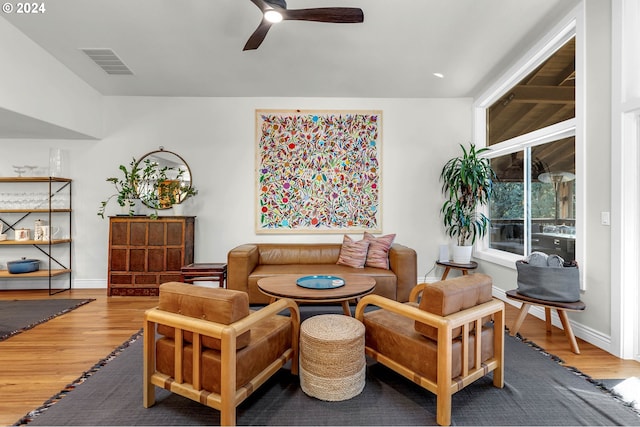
x: 154, y: 184
x: 126, y: 195
x: 150, y: 185
x: 467, y: 182
x: 174, y: 194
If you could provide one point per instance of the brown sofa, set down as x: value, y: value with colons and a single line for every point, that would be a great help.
x: 248, y: 263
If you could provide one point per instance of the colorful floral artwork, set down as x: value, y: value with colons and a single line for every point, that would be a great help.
x: 318, y: 171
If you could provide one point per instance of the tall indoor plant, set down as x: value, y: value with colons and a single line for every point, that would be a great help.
x: 467, y: 183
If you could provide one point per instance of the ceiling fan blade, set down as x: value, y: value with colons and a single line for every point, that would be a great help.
x: 346, y: 15
x: 258, y: 35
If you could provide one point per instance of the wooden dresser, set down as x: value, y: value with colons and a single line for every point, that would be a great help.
x: 145, y: 252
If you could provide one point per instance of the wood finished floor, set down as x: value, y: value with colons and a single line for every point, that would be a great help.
x: 38, y: 363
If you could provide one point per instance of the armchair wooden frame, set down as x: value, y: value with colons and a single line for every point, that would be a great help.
x: 229, y: 397
x: 446, y: 386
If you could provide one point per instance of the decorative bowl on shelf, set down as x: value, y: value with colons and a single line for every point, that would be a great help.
x: 23, y: 266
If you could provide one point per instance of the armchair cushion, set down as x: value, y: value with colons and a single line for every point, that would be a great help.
x: 269, y: 339
x: 394, y: 336
x: 451, y: 296
x: 215, y: 305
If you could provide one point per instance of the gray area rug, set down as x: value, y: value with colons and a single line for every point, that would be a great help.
x: 20, y: 315
x: 538, y: 391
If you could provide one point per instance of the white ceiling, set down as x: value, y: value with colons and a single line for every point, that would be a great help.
x: 194, y: 47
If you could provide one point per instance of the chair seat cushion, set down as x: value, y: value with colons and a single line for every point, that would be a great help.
x: 268, y: 339
x: 395, y: 336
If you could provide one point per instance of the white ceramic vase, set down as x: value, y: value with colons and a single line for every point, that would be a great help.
x: 178, y: 209
x: 462, y: 254
x: 134, y: 205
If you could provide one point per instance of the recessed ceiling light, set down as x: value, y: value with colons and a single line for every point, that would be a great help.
x: 439, y: 75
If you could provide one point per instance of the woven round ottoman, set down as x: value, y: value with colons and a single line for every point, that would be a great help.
x: 332, y: 360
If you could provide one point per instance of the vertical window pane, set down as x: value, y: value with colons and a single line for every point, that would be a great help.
x: 506, y: 208
x: 553, y: 204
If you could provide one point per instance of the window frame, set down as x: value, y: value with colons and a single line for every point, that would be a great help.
x: 570, y: 26
x: 625, y: 159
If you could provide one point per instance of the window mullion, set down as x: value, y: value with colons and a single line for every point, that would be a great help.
x: 527, y: 201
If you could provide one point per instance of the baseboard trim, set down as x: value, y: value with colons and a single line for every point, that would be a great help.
x: 584, y: 332
x: 90, y: 284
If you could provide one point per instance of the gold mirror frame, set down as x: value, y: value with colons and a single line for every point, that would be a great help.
x: 175, y: 163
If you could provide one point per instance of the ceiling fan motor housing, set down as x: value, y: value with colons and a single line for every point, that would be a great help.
x: 278, y: 3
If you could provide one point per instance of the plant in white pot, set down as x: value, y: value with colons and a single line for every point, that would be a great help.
x: 177, y: 194
x: 467, y: 183
x: 126, y: 190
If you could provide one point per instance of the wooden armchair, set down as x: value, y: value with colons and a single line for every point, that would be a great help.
x: 211, y: 349
x: 442, y: 343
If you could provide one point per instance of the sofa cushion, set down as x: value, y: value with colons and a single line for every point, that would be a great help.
x: 214, y: 304
x: 378, y: 253
x: 353, y: 253
x: 298, y: 253
x: 451, y: 296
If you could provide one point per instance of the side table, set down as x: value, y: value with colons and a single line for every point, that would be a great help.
x: 199, y: 272
x: 448, y: 265
x: 332, y: 359
x: 560, y: 307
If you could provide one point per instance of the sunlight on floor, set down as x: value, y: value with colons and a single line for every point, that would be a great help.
x: 629, y: 390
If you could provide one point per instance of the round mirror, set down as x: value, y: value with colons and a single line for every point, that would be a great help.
x: 165, y: 179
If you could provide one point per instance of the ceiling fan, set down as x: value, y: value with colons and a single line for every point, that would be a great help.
x: 274, y: 11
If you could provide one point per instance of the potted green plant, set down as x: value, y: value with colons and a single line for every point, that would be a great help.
x: 165, y: 188
x: 467, y: 183
x: 146, y: 183
x: 180, y: 196
x: 126, y: 195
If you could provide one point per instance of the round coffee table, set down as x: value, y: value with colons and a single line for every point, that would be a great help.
x: 284, y: 286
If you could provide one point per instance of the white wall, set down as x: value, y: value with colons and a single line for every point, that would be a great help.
x: 35, y: 84
x: 216, y: 136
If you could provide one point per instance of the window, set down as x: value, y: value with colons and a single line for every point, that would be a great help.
x: 546, y: 96
x: 530, y: 126
x: 533, y: 207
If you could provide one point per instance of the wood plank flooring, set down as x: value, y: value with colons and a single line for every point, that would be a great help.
x: 38, y: 363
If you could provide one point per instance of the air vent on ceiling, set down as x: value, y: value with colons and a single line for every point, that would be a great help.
x: 108, y: 61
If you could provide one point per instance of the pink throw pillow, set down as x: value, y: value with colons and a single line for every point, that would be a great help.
x: 353, y: 253
x: 378, y: 254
